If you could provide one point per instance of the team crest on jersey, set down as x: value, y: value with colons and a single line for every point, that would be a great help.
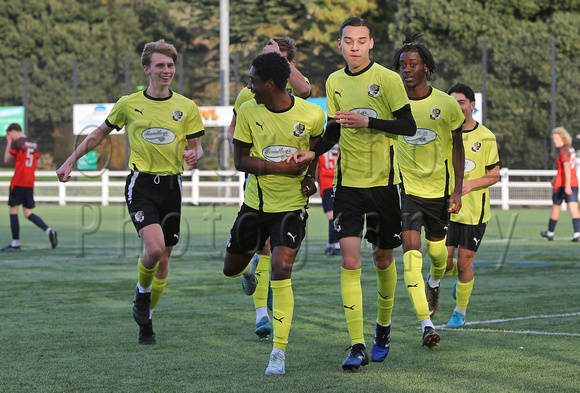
x: 476, y: 146
x: 139, y: 216
x: 177, y: 115
x: 435, y: 114
x: 299, y: 129
x: 374, y: 90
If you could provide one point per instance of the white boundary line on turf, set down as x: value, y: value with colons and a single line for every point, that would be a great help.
x: 513, y: 331
x: 444, y: 327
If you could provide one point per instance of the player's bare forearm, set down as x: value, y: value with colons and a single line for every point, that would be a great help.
x: 254, y: 165
x: 93, y: 140
x: 488, y: 180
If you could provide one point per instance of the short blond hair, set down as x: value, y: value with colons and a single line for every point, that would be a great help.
x: 158, y: 47
x: 566, y: 138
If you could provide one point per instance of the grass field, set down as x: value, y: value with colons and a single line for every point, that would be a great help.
x: 66, y: 323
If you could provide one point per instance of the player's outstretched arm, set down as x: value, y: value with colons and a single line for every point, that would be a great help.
x: 93, y: 140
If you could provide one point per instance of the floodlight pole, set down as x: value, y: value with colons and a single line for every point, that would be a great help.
x: 224, y: 148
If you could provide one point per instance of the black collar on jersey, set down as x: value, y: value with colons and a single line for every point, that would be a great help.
x: 473, y: 129
x: 157, y: 99
x: 347, y: 71
x: 283, y: 110
x: 422, y: 98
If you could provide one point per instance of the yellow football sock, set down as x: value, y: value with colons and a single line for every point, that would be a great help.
x: 146, y: 275
x: 437, y: 252
x: 263, y: 276
x: 158, y: 286
x: 386, y: 283
x: 413, y: 261
x: 351, y: 290
x: 283, y: 309
x: 453, y: 272
x: 463, y: 293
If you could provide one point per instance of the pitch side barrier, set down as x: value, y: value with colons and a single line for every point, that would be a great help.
x: 517, y: 187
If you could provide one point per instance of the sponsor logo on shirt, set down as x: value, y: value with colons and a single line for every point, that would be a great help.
x: 469, y: 165
x: 423, y: 136
x: 369, y: 112
x: 158, y: 136
x: 276, y: 153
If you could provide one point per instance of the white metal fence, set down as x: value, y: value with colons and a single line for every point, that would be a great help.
x: 517, y: 187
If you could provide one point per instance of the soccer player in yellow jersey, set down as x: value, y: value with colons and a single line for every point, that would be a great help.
x: 367, y: 108
x: 468, y: 226
x: 431, y: 164
x: 269, y: 128
x: 299, y: 86
x: 159, y: 123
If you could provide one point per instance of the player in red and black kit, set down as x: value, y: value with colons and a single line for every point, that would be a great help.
x: 24, y: 152
x: 325, y: 174
x: 565, y: 184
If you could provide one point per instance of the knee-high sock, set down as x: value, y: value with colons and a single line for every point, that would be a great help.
x: 15, y: 227
x: 438, y: 255
x: 331, y: 233
x: 413, y: 261
x: 146, y: 275
x: 453, y: 272
x: 158, y: 286
x: 463, y: 293
x: 386, y: 283
x: 283, y: 309
x: 351, y: 290
x: 576, y: 224
x: 552, y: 225
x: 263, y: 276
x: 38, y: 221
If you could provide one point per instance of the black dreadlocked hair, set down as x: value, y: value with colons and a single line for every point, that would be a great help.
x: 408, y: 46
x: 272, y: 66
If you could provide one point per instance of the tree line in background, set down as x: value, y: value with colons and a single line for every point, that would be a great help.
x: 51, y: 35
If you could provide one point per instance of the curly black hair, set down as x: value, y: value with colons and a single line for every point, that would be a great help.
x: 272, y: 66
x: 408, y: 46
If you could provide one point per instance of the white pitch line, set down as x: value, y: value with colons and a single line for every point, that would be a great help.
x: 444, y: 327
x: 574, y: 314
x: 513, y: 331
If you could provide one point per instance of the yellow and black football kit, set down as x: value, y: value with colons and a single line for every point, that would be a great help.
x: 273, y: 136
x: 366, y: 180
x: 481, y: 156
x: 426, y: 159
x: 157, y: 129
